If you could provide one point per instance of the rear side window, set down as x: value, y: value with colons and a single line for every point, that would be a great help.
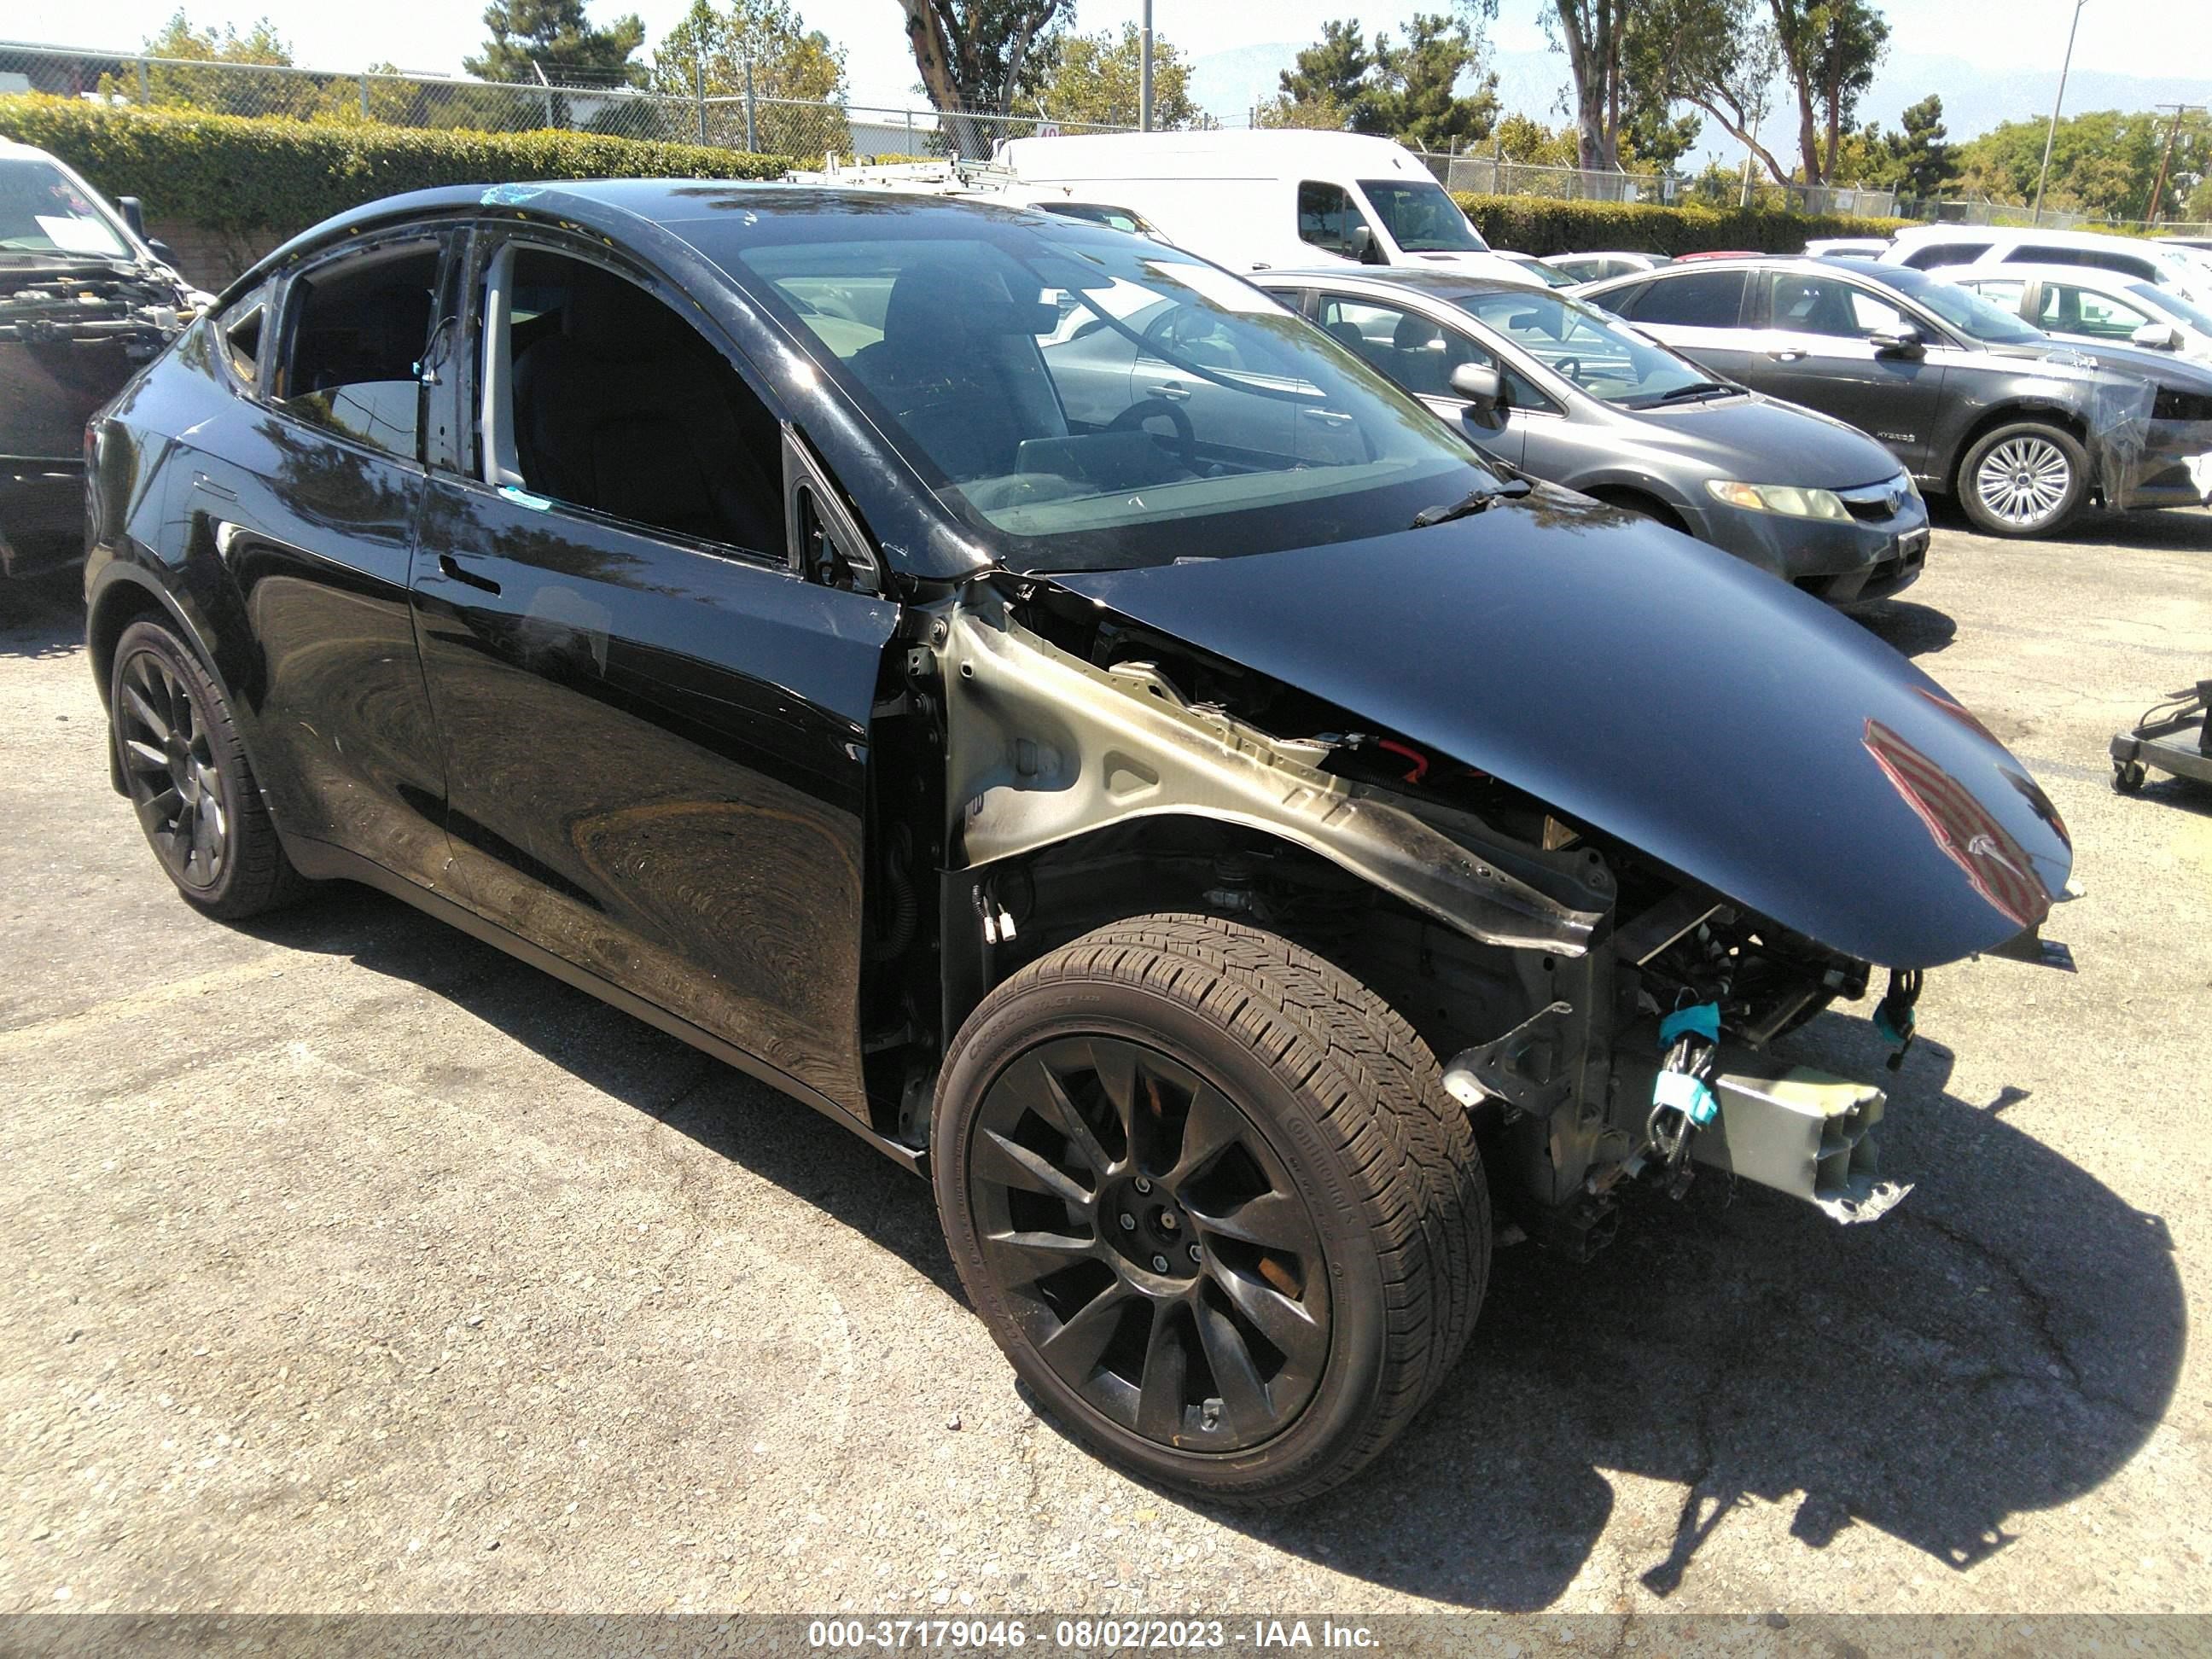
x: 2095, y: 257
x: 2068, y: 309
x: 2007, y: 292
x: 1327, y: 218
x: 243, y: 328
x: 1703, y: 299
x: 358, y: 329
x: 1929, y: 256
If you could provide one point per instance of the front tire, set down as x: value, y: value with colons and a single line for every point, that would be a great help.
x: 187, y: 774
x: 1210, y: 1199
x: 2028, y: 478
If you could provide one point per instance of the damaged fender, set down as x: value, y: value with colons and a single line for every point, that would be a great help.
x: 1044, y: 746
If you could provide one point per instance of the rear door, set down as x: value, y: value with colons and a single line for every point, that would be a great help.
x: 307, y: 490
x: 659, y: 726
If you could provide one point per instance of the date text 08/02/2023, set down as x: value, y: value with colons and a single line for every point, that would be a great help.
x: 1085, y: 1635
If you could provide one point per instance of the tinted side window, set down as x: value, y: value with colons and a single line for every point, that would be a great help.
x: 2006, y: 295
x: 620, y: 406
x: 1703, y: 299
x: 1416, y: 353
x: 358, y: 328
x: 1098, y: 213
x: 1933, y: 254
x: 2071, y: 310
x: 1327, y: 218
x: 1826, y: 305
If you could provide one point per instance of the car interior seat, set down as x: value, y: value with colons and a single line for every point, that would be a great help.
x: 958, y: 366
x: 1419, y: 360
x: 630, y: 411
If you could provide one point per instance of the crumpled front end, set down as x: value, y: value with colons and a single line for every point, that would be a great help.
x: 72, y: 336
x: 1674, y: 811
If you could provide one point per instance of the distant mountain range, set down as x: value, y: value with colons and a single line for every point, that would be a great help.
x: 1228, y: 84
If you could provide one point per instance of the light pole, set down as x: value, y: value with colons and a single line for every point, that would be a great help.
x: 1145, y: 71
x: 2051, y: 132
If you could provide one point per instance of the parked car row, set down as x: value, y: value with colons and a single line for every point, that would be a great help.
x: 1563, y: 392
x: 1974, y: 401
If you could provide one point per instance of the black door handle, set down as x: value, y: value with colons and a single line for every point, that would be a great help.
x: 453, y: 567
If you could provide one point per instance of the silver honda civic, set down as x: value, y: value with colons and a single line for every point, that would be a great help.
x: 1569, y: 394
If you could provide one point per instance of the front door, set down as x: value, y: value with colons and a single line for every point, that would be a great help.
x: 658, y: 728
x: 1418, y: 353
x: 1815, y: 349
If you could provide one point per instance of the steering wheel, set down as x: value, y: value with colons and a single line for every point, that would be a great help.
x: 1186, y: 436
x: 1570, y: 367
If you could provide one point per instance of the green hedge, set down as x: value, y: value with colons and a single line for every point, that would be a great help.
x: 1538, y: 224
x: 242, y: 174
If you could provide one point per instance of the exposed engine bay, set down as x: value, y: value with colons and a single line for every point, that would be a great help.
x: 1602, y: 1018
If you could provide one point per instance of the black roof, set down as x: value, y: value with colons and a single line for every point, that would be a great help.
x: 607, y: 204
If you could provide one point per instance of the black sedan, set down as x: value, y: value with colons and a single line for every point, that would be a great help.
x: 1566, y: 393
x: 1219, y: 868
x: 2023, y: 429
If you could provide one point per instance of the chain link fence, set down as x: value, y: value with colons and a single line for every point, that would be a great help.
x: 1976, y: 211
x: 708, y: 113
x: 1488, y: 175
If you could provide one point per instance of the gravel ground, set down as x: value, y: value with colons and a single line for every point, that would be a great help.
x: 354, y: 1267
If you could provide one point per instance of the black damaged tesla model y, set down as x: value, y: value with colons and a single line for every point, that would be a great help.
x: 1019, y: 690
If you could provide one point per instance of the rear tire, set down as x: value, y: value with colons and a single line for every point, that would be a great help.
x: 1184, y: 1082
x: 187, y: 774
x: 2025, y: 478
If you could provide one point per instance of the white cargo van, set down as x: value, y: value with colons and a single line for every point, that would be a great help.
x: 1266, y: 200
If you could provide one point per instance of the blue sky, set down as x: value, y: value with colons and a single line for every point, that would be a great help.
x: 2122, y: 36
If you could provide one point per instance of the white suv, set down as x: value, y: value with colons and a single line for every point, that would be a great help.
x: 1931, y: 247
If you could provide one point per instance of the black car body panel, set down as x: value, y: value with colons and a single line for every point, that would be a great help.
x: 1927, y: 405
x: 1492, y: 639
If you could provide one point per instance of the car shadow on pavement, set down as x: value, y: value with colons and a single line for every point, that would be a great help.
x: 2002, y: 1342
x: 1917, y: 630
x: 732, y: 1115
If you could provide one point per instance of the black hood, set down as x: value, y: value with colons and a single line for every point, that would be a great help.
x: 1661, y: 693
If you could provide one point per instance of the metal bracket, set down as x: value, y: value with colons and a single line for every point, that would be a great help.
x: 1522, y: 1068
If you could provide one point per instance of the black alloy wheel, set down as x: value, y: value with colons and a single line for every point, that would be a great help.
x: 1208, y: 1194
x: 169, y: 765
x: 1157, y: 1252
x: 178, y: 751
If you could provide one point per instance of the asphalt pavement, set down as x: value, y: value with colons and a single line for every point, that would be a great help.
x: 352, y: 1265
